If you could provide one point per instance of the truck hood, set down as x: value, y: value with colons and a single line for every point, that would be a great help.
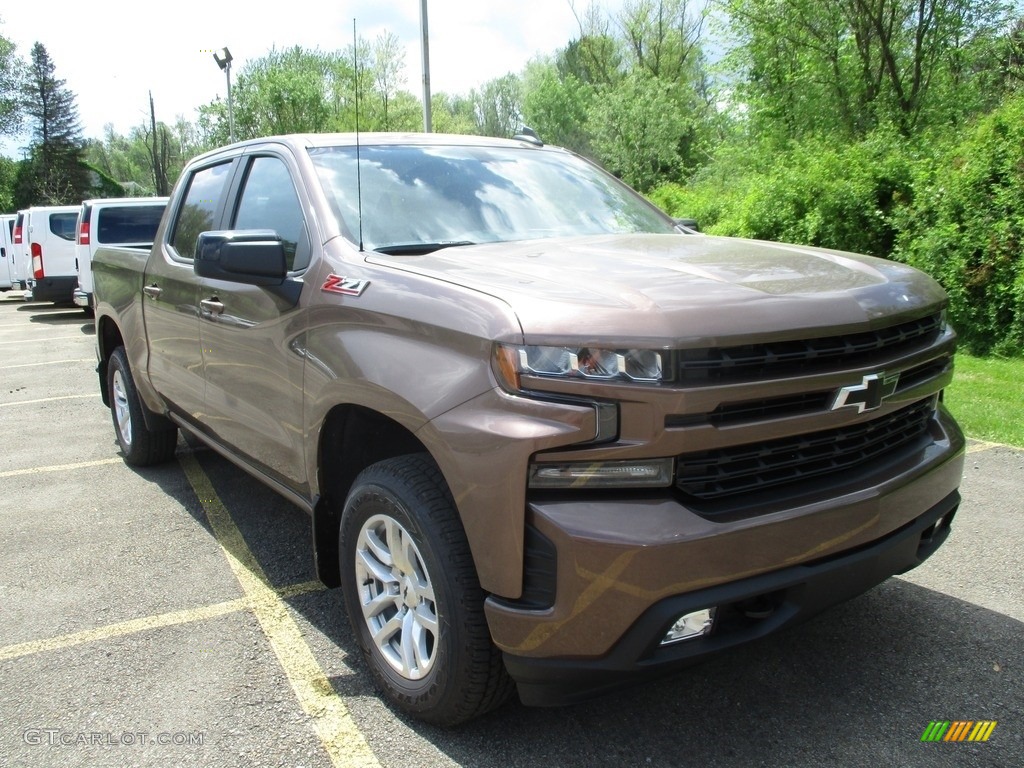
x: 672, y: 289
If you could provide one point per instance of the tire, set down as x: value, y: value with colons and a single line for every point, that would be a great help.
x: 418, y: 616
x: 140, y: 445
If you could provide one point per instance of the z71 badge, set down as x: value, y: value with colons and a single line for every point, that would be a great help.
x: 347, y: 286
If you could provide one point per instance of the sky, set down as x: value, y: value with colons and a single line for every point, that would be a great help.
x: 112, y: 53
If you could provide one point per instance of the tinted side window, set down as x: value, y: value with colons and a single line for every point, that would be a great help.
x: 205, y: 189
x: 269, y: 201
x: 135, y: 224
x: 63, y: 225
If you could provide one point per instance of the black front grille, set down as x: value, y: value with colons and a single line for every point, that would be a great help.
x: 712, y: 475
x: 803, y: 357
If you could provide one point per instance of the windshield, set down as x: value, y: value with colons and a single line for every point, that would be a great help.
x: 457, y: 195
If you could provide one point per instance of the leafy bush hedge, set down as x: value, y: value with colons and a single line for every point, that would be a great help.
x: 966, y: 228
x: 953, y: 208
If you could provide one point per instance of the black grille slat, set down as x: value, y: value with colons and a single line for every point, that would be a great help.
x: 759, y: 410
x: 806, y: 356
x: 745, y: 469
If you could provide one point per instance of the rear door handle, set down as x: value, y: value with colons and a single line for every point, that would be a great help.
x: 153, y: 291
x: 213, y: 306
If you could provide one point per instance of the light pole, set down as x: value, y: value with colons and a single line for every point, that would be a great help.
x: 427, y: 127
x: 223, y: 59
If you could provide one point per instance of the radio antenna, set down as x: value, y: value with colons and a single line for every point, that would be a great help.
x: 359, y: 177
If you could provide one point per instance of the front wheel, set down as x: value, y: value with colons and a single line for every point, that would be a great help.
x: 413, y: 597
x: 140, y: 445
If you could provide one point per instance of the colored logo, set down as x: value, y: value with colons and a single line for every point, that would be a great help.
x: 959, y: 730
x: 346, y: 286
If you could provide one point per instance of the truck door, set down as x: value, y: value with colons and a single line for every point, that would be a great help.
x: 171, y: 292
x: 253, y: 372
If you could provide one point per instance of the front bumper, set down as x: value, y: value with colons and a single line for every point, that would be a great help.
x: 747, y: 609
x: 607, y: 576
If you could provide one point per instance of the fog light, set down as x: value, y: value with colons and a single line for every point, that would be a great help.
x: 639, y: 473
x: 690, y: 625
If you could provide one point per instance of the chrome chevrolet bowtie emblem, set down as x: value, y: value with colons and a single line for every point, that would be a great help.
x: 867, y: 395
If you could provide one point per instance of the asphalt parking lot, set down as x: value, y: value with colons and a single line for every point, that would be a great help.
x: 168, y: 616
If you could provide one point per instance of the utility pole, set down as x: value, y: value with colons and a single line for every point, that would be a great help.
x: 427, y: 122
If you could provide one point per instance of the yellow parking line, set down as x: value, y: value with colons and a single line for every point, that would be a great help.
x: 341, y: 738
x: 60, y: 467
x: 48, y: 400
x: 49, y: 362
x: 41, y: 340
x: 132, y: 626
x: 124, y: 628
x: 304, y: 588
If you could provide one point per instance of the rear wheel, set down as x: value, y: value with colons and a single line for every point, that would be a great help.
x: 140, y: 445
x: 413, y: 597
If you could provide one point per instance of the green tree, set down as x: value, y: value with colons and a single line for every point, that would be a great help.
x: 844, y: 67
x: 640, y: 130
x: 297, y: 90
x: 556, y: 105
x: 498, y: 106
x: 58, y: 172
x: 10, y: 82
x: 967, y: 225
x: 664, y: 37
x: 452, y: 114
x: 397, y: 109
x: 596, y: 56
x: 8, y: 177
x: 288, y: 91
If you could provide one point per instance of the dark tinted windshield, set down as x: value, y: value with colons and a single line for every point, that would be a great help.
x: 413, y: 194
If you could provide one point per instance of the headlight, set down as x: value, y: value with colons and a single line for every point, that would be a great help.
x: 590, y: 363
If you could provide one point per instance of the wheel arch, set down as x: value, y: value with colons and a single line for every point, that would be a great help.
x: 352, y: 438
x: 108, y: 338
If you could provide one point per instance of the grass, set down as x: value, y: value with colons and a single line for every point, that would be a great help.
x: 987, y: 398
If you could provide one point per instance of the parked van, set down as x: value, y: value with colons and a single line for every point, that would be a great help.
x: 51, y: 247
x: 124, y: 221
x: 22, y: 262
x: 8, y: 264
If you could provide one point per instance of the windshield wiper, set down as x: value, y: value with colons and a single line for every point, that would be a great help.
x: 418, y: 249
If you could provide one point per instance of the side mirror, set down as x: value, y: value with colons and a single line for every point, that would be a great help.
x: 685, y: 224
x: 251, y: 256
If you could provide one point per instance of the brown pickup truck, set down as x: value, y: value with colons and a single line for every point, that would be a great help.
x: 549, y: 439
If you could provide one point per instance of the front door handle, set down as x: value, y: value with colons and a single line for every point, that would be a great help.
x: 153, y: 291
x: 213, y: 306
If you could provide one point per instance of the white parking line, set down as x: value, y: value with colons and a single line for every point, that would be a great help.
x: 48, y: 400
x: 38, y: 341
x: 49, y: 362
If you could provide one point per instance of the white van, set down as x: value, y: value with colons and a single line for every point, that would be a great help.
x: 8, y: 264
x: 50, y: 243
x: 124, y: 221
x: 22, y: 261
